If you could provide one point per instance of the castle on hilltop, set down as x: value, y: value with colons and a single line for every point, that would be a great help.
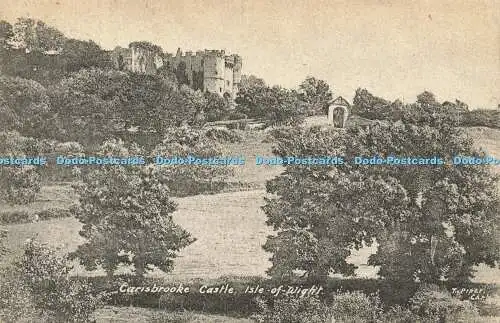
x: 208, y: 70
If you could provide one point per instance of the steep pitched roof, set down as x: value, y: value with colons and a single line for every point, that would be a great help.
x: 340, y: 101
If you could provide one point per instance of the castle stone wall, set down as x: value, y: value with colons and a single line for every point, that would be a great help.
x: 209, y: 70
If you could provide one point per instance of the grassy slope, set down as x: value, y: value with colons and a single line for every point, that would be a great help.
x: 230, y: 227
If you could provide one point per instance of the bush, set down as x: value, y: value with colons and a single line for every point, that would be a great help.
x: 43, y: 290
x: 16, y: 306
x: 437, y: 304
x: 54, y: 213
x: 12, y: 217
x: 399, y: 314
x: 223, y: 135
x: 482, y: 118
x: 171, y: 317
x: 237, y: 116
x: 292, y: 310
x: 345, y: 307
x: 19, y: 185
x: 356, y: 307
x: 185, y: 180
x: 15, y: 217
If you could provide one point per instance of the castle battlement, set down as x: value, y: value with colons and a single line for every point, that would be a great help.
x: 208, y: 70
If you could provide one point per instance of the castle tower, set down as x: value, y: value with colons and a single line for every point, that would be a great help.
x: 213, y: 71
x: 236, y: 74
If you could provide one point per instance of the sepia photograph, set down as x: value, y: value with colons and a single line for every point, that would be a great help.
x: 250, y: 161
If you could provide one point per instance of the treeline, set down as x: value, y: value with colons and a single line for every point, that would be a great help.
x: 54, y: 87
x: 372, y: 107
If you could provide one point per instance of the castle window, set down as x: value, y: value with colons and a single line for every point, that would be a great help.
x: 220, y: 90
x: 227, y: 83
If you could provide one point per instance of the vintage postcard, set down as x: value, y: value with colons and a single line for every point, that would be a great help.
x: 250, y: 161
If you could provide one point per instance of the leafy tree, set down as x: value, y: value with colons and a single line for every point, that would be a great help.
x: 86, y: 106
x: 481, y: 118
x: 216, y: 107
x: 35, y: 35
x: 24, y: 105
x: 431, y: 222
x: 283, y: 107
x: 126, y: 213
x: 316, y: 93
x: 6, y: 34
x: 96, y: 105
x: 18, y: 184
x: 427, y: 97
x: 369, y: 106
x: 279, y: 106
x: 78, y: 54
x: 195, y: 179
x: 251, y: 81
x: 3, y: 248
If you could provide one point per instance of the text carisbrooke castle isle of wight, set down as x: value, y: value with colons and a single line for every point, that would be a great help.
x: 208, y: 70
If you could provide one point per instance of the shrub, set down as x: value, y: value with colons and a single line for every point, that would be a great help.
x: 223, y: 135
x: 15, y: 306
x: 11, y: 217
x: 437, y: 304
x: 53, y: 213
x: 398, y: 314
x: 44, y: 292
x: 482, y: 118
x: 171, y: 317
x: 237, y: 116
x: 19, y: 185
x: 194, y: 179
x: 292, y: 310
x: 355, y: 307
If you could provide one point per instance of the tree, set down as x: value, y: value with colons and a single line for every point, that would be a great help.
x: 316, y: 93
x: 431, y: 222
x: 24, y: 105
x: 195, y: 179
x: 126, y: 213
x: 78, y: 54
x: 427, y: 97
x: 279, y: 106
x: 6, y: 34
x: 98, y: 104
x: 283, y: 107
x: 19, y: 184
x: 216, y: 108
x: 35, y: 35
x: 251, y: 81
x: 369, y: 106
x: 44, y: 292
x: 3, y: 248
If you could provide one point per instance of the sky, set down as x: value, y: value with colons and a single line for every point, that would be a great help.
x: 395, y: 49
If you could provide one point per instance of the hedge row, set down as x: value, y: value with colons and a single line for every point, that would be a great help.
x: 16, y: 217
x: 243, y: 304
